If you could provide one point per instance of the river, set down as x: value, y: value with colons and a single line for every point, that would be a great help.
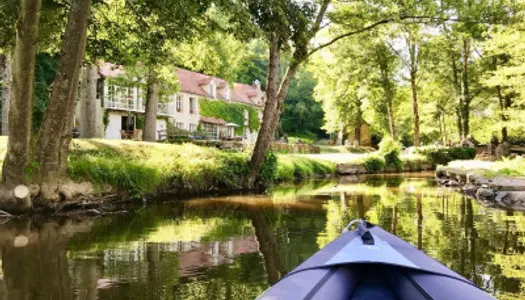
x: 234, y: 247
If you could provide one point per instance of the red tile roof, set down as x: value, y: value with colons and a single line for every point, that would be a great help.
x: 193, y: 82
x: 213, y: 121
x: 110, y: 70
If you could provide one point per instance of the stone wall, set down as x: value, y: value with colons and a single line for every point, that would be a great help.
x: 295, y: 148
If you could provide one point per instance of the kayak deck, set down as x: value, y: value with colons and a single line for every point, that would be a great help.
x: 380, y: 266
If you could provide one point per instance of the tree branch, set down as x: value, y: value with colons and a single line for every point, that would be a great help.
x: 391, y: 20
x: 320, y: 17
x: 351, y: 33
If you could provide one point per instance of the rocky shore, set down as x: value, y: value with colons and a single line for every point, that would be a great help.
x: 500, y: 191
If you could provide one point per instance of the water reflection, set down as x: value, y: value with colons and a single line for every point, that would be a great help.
x: 234, y: 247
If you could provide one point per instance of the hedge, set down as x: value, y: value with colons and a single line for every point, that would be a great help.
x: 442, y: 156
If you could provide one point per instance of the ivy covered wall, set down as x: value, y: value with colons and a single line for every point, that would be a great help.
x: 230, y: 112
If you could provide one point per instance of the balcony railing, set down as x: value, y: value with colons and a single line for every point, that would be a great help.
x: 127, y: 99
x: 129, y: 105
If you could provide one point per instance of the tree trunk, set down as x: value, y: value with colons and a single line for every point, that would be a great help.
x: 266, y: 135
x: 89, y: 129
x: 459, y: 98
x: 459, y: 122
x: 445, y: 128
x: 152, y: 101
x: 414, y: 61
x: 263, y: 144
x: 503, y: 107
x: 51, y: 152
x: 465, y: 109
x: 391, y: 120
x: 5, y: 90
x: 441, y: 134
x: 415, y: 107
x: 359, y: 123
x: 21, y: 107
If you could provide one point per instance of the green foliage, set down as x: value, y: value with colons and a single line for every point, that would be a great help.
x: 140, y: 122
x: 444, y: 155
x: 145, y: 168
x: 230, y: 112
x: 44, y: 76
x: 390, y: 150
x: 302, y: 115
x: 105, y: 119
x: 292, y: 167
x: 374, y: 163
x: 269, y: 169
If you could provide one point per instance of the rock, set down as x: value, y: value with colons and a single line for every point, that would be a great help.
x: 511, y: 199
x: 503, y: 150
x: 442, y: 181
x: 20, y: 241
x: 440, y: 173
x: 485, y: 194
x: 348, y: 169
x: 470, y: 189
x: 452, y: 183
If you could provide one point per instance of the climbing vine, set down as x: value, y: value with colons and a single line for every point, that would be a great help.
x: 230, y: 112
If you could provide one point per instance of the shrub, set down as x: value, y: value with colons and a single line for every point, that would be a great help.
x: 443, y: 155
x: 269, y: 169
x: 374, y: 163
x: 390, y: 150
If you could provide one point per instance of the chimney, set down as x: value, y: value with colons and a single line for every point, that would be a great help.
x: 257, y: 84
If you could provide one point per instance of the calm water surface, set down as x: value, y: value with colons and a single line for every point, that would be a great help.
x: 234, y: 247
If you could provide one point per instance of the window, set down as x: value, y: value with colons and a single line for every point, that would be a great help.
x: 179, y: 103
x: 228, y: 93
x: 192, y: 105
x: 179, y: 125
x: 193, y: 127
x: 100, y: 88
x: 212, y: 130
x: 212, y: 90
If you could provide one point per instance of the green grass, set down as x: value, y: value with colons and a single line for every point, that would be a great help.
x: 327, y: 149
x: 506, y: 167
x: 143, y: 168
x: 146, y: 168
x: 292, y: 167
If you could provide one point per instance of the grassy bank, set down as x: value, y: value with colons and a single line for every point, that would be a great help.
x: 506, y: 167
x: 147, y: 168
x: 144, y: 168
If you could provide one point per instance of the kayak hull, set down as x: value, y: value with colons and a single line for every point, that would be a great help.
x: 389, y: 269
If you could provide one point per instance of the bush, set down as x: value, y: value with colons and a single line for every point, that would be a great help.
x: 443, y: 155
x: 390, y: 150
x: 268, y: 170
x: 374, y: 163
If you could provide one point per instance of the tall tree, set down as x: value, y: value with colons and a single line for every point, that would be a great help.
x: 58, y: 119
x: 411, y: 58
x: 24, y: 56
x: 281, y: 22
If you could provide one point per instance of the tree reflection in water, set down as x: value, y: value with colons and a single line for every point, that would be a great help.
x: 234, y: 247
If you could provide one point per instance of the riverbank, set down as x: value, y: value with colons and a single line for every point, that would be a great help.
x: 500, y: 184
x: 103, y: 172
x: 135, y: 170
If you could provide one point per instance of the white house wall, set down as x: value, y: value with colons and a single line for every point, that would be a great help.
x: 114, y: 126
x: 185, y: 117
